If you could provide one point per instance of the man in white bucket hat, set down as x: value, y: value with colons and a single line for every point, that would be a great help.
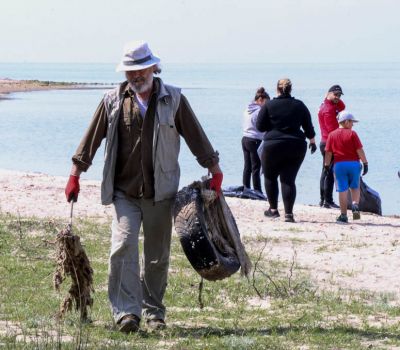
x: 142, y: 121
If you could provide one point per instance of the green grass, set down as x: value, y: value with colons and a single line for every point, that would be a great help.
x: 292, y: 312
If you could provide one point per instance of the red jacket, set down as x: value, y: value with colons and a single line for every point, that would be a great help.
x: 327, y: 117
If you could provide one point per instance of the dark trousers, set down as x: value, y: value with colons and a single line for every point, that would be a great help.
x: 252, y: 163
x: 326, y: 181
x: 282, y: 159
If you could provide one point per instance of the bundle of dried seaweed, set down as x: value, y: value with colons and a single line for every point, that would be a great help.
x: 72, y: 261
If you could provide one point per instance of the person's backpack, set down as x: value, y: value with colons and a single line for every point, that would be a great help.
x: 370, y: 201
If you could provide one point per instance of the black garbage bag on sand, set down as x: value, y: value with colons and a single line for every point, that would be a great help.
x: 208, y: 233
x: 370, y: 201
x: 242, y: 192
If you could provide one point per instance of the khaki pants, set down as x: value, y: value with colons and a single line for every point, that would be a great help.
x: 129, y: 290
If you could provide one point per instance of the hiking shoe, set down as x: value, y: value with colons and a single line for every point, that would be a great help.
x: 271, y: 214
x: 342, y: 219
x: 356, y: 212
x: 129, y: 324
x: 289, y: 218
x: 156, y: 324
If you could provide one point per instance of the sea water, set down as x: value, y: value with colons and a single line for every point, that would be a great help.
x: 39, y: 131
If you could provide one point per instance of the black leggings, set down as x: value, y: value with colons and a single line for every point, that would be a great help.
x: 252, y: 163
x: 283, y: 159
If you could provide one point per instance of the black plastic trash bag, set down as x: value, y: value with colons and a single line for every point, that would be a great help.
x: 208, y: 233
x: 370, y: 201
x: 242, y: 192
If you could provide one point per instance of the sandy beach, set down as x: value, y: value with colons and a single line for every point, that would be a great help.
x: 363, y: 255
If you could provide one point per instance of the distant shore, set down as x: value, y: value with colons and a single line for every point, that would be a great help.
x: 8, y: 86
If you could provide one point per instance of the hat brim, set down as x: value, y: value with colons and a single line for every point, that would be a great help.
x: 122, y: 67
x: 353, y: 120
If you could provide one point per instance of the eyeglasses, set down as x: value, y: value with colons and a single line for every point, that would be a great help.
x: 337, y: 94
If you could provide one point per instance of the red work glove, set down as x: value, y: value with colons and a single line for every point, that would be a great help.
x: 216, y: 182
x: 72, y: 188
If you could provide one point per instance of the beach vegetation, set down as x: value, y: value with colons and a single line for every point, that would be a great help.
x: 277, y: 307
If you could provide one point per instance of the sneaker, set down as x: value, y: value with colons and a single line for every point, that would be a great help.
x: 156, y: 324
x: 271, y: 214
x: 289, y: 218
x: 356, y: 212
x: 129, y: 324
x: 342, y: 219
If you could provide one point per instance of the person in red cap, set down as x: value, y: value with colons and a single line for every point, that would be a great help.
x: 142, y: 121
x: 327, y: 114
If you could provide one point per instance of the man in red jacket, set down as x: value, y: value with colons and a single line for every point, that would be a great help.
x: 327, y: 114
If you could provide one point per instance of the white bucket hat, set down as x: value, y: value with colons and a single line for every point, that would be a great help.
x: 137, y: 55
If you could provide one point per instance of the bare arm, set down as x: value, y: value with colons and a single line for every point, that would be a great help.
x: 75, y: 171
x: 215, y: 169
x: 328, y: 158
x: 362, y: 156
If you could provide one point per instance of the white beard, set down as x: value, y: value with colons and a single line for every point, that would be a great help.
x: 140, y: 87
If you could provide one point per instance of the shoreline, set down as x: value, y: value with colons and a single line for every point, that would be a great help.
x: 361, y: 255
x: 9, y: 86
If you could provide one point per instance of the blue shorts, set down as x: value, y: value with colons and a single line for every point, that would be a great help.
x: 347, y: 174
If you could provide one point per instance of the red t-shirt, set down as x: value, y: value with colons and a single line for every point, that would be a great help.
x: 343, y: 143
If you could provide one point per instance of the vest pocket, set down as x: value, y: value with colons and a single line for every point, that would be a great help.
x: 168, y: 147
x: 167, y: 182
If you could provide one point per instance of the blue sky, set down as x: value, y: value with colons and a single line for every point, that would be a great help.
x: 214, y: 31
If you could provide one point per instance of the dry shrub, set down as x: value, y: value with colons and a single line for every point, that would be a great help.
x: 72, y: 261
